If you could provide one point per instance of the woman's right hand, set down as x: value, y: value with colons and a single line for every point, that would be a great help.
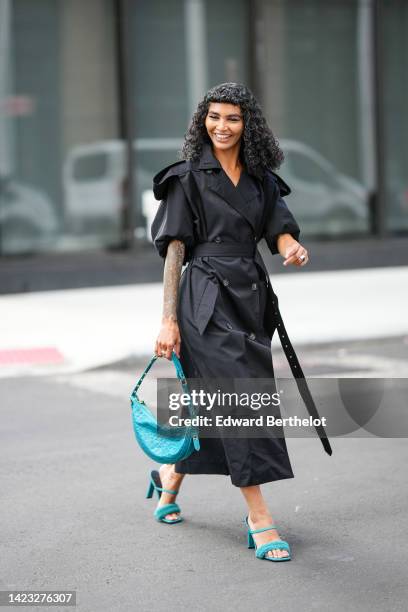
x: 168, y: 339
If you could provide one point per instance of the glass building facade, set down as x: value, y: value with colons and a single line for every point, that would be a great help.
x: 95, y: 98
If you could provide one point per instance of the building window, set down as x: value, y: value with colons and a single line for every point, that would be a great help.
x: 314, y: 80
x: 61, y: 172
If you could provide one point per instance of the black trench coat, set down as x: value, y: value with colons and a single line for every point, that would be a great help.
x: 227, y: 310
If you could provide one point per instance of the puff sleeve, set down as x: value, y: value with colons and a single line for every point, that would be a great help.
x: 173, y: 220
x: 279, y: 219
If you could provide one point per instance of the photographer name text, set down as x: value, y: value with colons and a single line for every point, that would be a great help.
x: 259, y: 421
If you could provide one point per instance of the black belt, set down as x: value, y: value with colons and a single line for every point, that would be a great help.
x: 298, y: 375
x: 248, y: 249
x: 231, y: 249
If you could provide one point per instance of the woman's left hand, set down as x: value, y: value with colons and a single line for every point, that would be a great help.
x: 293, y: 252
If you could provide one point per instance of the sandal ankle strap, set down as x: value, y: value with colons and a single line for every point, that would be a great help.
x: 251, y: 531
x: 166, y: 490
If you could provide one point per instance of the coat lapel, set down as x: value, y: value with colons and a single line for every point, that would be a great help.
x: 238, y: 197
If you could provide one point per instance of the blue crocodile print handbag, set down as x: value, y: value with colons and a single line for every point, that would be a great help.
x: 162, y: 443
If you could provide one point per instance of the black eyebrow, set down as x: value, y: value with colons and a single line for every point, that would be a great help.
x: 230, y: 115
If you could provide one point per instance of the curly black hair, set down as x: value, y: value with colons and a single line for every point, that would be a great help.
x: 259, y: 147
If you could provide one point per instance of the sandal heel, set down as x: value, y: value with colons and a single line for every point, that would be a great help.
x: 150, y: 490
x: 251, y: 543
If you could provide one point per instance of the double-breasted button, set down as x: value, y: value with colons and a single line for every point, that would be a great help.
x: 229, y: 325
x: 254, y: 286
x: 252, y: 336
x: 217, y: 239
x: 225, y: 282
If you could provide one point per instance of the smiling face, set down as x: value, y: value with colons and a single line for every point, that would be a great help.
x: 225, y: 124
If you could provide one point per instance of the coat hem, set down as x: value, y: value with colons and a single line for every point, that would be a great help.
x: 261, y: 481
x: 196, y: 467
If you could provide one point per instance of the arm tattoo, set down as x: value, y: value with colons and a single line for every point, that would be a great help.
x: 171, y: 278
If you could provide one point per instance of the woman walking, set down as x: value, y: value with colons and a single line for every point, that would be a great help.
x: 219, y: 317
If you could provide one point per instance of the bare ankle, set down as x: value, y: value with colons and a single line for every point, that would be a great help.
x: 259, y: 515
x: 172, y: 475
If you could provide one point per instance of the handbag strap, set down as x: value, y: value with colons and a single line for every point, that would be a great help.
x: 139, y: 382
x: 182, y: 379
x: 179, y: 372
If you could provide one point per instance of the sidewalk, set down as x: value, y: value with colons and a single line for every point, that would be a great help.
x: 72, y: 330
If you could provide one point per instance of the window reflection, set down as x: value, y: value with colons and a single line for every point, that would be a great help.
x: 58, y: 93
x: 323, y: 200
x: 394, y: 33
x: 314, y: 84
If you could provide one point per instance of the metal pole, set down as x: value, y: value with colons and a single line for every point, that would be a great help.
x: 380, y: 202
x: 196, y: 51
x: 127, y: 126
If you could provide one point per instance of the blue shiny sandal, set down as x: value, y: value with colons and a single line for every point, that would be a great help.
x: 159, y: 514
x: 262, y: 550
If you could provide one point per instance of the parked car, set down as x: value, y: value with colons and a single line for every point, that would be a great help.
x: 28, y: 221
x: 323, y: 200
x: 94, y: 178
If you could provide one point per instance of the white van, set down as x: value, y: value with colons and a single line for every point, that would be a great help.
x: 95, y: 183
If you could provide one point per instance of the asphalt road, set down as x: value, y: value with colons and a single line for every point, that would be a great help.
x: 74, y: 513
